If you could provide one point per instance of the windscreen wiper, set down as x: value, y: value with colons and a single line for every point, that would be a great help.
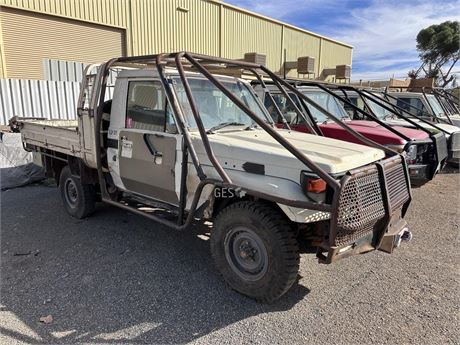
x: 223, y: 125
x: 252, y: 126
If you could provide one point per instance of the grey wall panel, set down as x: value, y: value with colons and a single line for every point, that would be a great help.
x: 38, y: 98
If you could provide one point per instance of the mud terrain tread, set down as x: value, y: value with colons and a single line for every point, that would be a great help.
x: 280, y: 236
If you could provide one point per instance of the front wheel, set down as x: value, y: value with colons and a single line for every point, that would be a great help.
x: 79, y: 199
x: 255, y: 249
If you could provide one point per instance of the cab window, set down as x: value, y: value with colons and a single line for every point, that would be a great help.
x: 286, y: 108
x: 419, y: 109
x: 422, y: 110
x: 146, y: 107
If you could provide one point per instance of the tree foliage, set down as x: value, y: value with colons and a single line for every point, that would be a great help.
x: 438, y: 47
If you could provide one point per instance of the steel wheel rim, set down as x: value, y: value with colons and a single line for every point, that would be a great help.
x: 71, y: 192
x: 246, y: 253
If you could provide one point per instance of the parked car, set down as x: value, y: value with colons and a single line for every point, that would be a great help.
x: 424, y: 155
x: 177, y: 146
x: 424, y: 105
x: 391, y: 113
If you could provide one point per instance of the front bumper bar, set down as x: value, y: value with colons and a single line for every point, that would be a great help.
x: 371, y: 206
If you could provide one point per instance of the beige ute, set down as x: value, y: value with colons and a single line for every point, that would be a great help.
x: 175, y: 141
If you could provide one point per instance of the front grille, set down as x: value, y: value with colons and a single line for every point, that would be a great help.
x: 361, y: 203
x: 396, y: 184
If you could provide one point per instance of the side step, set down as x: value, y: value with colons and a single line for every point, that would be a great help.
x: 166, y: 211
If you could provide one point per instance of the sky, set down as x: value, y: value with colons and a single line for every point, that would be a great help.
x: 381, y: 32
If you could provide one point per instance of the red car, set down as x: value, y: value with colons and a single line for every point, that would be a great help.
x: 419, y: 150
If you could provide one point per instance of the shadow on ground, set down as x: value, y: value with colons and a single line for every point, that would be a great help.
x: 113, y: 277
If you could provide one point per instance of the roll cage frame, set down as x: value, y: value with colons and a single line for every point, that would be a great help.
x: 449, y: 107
x: 345, y: 100
x: 183, y: 61
x: 404, y: 114
x: 327, y: 87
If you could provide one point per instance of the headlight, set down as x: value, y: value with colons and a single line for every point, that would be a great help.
x: 411, y: 154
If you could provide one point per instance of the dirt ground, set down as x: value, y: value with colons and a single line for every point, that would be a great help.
x: 120, y: 278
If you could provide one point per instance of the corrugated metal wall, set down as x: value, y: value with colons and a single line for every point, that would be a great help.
x: 109, y: 12
x: 28, y: 38
x: 244, y: 34
x: 298, y: 44
x: 204, y: 26
x: 174, y: 25
x: 40, y: 98
x: 61, y: 70
x: 333, y: 54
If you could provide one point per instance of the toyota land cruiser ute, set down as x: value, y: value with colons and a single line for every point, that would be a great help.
x: 177, y: 143
x: 448, y: 102
x: 385, y: 107
x: 425, y: 105
x: 422, y: 155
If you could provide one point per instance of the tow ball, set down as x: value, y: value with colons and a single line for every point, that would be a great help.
x: 393, y: 240
x: 405, y: 235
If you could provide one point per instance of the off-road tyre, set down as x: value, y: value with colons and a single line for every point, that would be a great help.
x: 270, y: 233
x: 79, y: 199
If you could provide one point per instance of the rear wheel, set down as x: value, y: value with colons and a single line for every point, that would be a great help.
x: 255, y: 249
x: 79, y: 199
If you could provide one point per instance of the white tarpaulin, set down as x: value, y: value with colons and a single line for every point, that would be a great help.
x: 16, y: 164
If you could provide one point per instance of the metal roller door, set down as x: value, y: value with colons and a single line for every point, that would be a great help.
x: 28, y: 38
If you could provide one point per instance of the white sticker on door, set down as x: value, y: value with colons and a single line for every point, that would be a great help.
x: 126, y: 148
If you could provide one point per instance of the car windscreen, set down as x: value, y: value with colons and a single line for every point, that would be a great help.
x: 438, y: 111
x: 214, y: 106
x: 379, y: 111
x: 328, y: 102
x: 286, y: 107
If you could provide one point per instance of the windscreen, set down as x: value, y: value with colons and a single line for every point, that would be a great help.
x: 328, y: 102
x: 214, y: 106
x: 435, y: 105
x: 377, y: 110
x: 286, y: 107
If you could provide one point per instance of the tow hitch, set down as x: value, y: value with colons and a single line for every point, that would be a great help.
x: 392, y: 240
x: 407, y: 235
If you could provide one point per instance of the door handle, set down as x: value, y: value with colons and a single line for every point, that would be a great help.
x: 157, y: 155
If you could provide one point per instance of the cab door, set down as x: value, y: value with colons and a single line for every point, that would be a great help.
x: 147, y: 143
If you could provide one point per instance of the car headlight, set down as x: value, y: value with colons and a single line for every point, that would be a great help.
x: 411, y: 154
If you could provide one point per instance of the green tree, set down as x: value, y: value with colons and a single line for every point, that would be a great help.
x: 438, y: 47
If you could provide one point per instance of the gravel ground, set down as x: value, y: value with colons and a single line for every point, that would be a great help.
x: 119, y: 278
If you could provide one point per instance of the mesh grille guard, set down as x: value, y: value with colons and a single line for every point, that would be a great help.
x: 368, y: 198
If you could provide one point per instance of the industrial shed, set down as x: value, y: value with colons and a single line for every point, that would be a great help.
x: 91, y: 31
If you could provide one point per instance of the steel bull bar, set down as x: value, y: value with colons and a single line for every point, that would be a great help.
x: 367, y: 204
x: 370, y: 207
x: 453, y: 145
